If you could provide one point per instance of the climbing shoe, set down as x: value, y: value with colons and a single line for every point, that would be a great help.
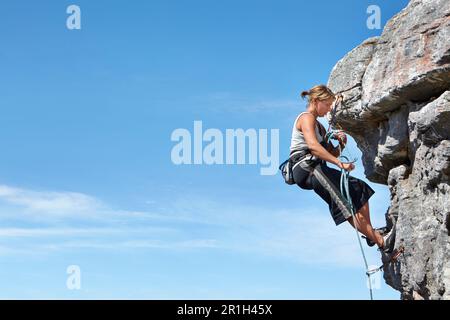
x: 381, y: 231
x: 389, y: 240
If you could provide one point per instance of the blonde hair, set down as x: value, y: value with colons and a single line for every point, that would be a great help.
x: 318, y: 93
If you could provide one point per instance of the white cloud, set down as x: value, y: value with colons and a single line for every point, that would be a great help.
x: 49, y: 202
x: 303, y: 235
x: 231, y: 102
x: 54, y: 232
x: 306, y: 235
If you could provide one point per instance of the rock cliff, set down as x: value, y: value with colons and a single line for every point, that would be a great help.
x: 397, y: 108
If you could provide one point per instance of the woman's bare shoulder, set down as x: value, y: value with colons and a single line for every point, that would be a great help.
x: 305, y: 119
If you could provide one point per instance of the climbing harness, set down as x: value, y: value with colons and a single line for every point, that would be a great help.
x: 295, y: 157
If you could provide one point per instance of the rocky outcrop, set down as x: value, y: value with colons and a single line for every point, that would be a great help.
x: 397, y: 108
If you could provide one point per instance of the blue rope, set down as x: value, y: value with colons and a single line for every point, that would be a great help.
x: 345, y: 191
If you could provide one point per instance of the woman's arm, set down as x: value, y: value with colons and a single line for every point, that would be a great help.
x: 308, y: 122
x: 335, y: 151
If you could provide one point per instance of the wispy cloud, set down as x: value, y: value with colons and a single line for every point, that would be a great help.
x: 305, y: 235
x: 49, y: 202
x: 81, y: 232
x: 232, y: 102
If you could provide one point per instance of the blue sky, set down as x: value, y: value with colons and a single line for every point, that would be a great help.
x: 86, y: 176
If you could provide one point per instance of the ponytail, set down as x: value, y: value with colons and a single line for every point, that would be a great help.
x: 304, y: 94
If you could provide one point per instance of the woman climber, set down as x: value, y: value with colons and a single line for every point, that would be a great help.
x: 309, y: 154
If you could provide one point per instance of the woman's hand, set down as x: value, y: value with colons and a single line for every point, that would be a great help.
x: 339, y: 98
x: 341, y: 137
x: 347, y: 166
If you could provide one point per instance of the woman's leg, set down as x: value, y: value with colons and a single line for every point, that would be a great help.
x: 326, y: 182
x: 364, y: 225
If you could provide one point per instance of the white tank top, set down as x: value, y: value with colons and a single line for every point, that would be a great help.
x: 298, y: 141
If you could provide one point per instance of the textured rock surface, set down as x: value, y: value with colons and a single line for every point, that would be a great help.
x: 397, y: 107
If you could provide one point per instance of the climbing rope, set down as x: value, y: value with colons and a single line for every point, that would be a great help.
x: 345, y: 191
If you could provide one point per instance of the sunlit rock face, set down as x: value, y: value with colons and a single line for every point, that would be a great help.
x: 397, y: 108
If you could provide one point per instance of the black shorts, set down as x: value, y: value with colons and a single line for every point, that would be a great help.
x: 325, y: 181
